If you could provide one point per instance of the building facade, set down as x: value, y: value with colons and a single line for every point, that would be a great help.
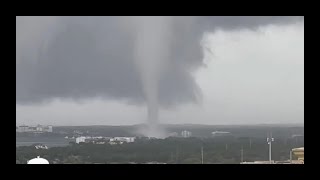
x: 299, y: 153
x: 80, y: 139
x: 34, y: 129
x: 186, y: 134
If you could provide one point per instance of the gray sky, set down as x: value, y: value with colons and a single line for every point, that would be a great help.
x: 80, y: 71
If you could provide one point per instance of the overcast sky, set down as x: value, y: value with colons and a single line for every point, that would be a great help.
x: 220, y: 70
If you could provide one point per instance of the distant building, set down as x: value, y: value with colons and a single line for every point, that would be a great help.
x: 50, y: 129
x: 173, y: 134
x: 220, y: 133
x: 103, y: 140
x: 80, y: 139
x: 296, y: 135
x: 41, y: 146
x: 23, y: 128
x: 186, y: 134
x: 39, y: 128
x: 77, y: 132
x: 112, y: 143
x: 34, y: 129
x: 124, y: 139
x: 46, y: 128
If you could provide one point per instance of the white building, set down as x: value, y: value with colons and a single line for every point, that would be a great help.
x: 80, y: 139
x: 186, y: 134
x: 49, y: 128
x: 123, y: 139
x: 41, y: 146
x: 39, y: 128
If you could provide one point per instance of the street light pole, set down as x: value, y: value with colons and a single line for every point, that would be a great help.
x: 270, y: 140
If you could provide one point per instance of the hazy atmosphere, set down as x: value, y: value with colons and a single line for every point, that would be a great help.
x: 175, y: 70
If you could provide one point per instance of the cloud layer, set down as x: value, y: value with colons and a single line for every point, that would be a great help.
x: 81, y: 58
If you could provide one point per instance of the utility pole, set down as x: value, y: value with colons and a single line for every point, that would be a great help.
x: 177, y: 154
x: 270, y: 140
x: 290, y: 156
x: 241, y: 153
x: 201, y: 154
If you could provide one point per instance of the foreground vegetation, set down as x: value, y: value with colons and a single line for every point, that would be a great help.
x: 170, y: 150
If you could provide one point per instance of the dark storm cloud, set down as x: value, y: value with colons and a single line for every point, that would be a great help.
x: 87, y: 57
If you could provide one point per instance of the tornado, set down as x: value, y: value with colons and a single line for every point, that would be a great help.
x: 152, y: 51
